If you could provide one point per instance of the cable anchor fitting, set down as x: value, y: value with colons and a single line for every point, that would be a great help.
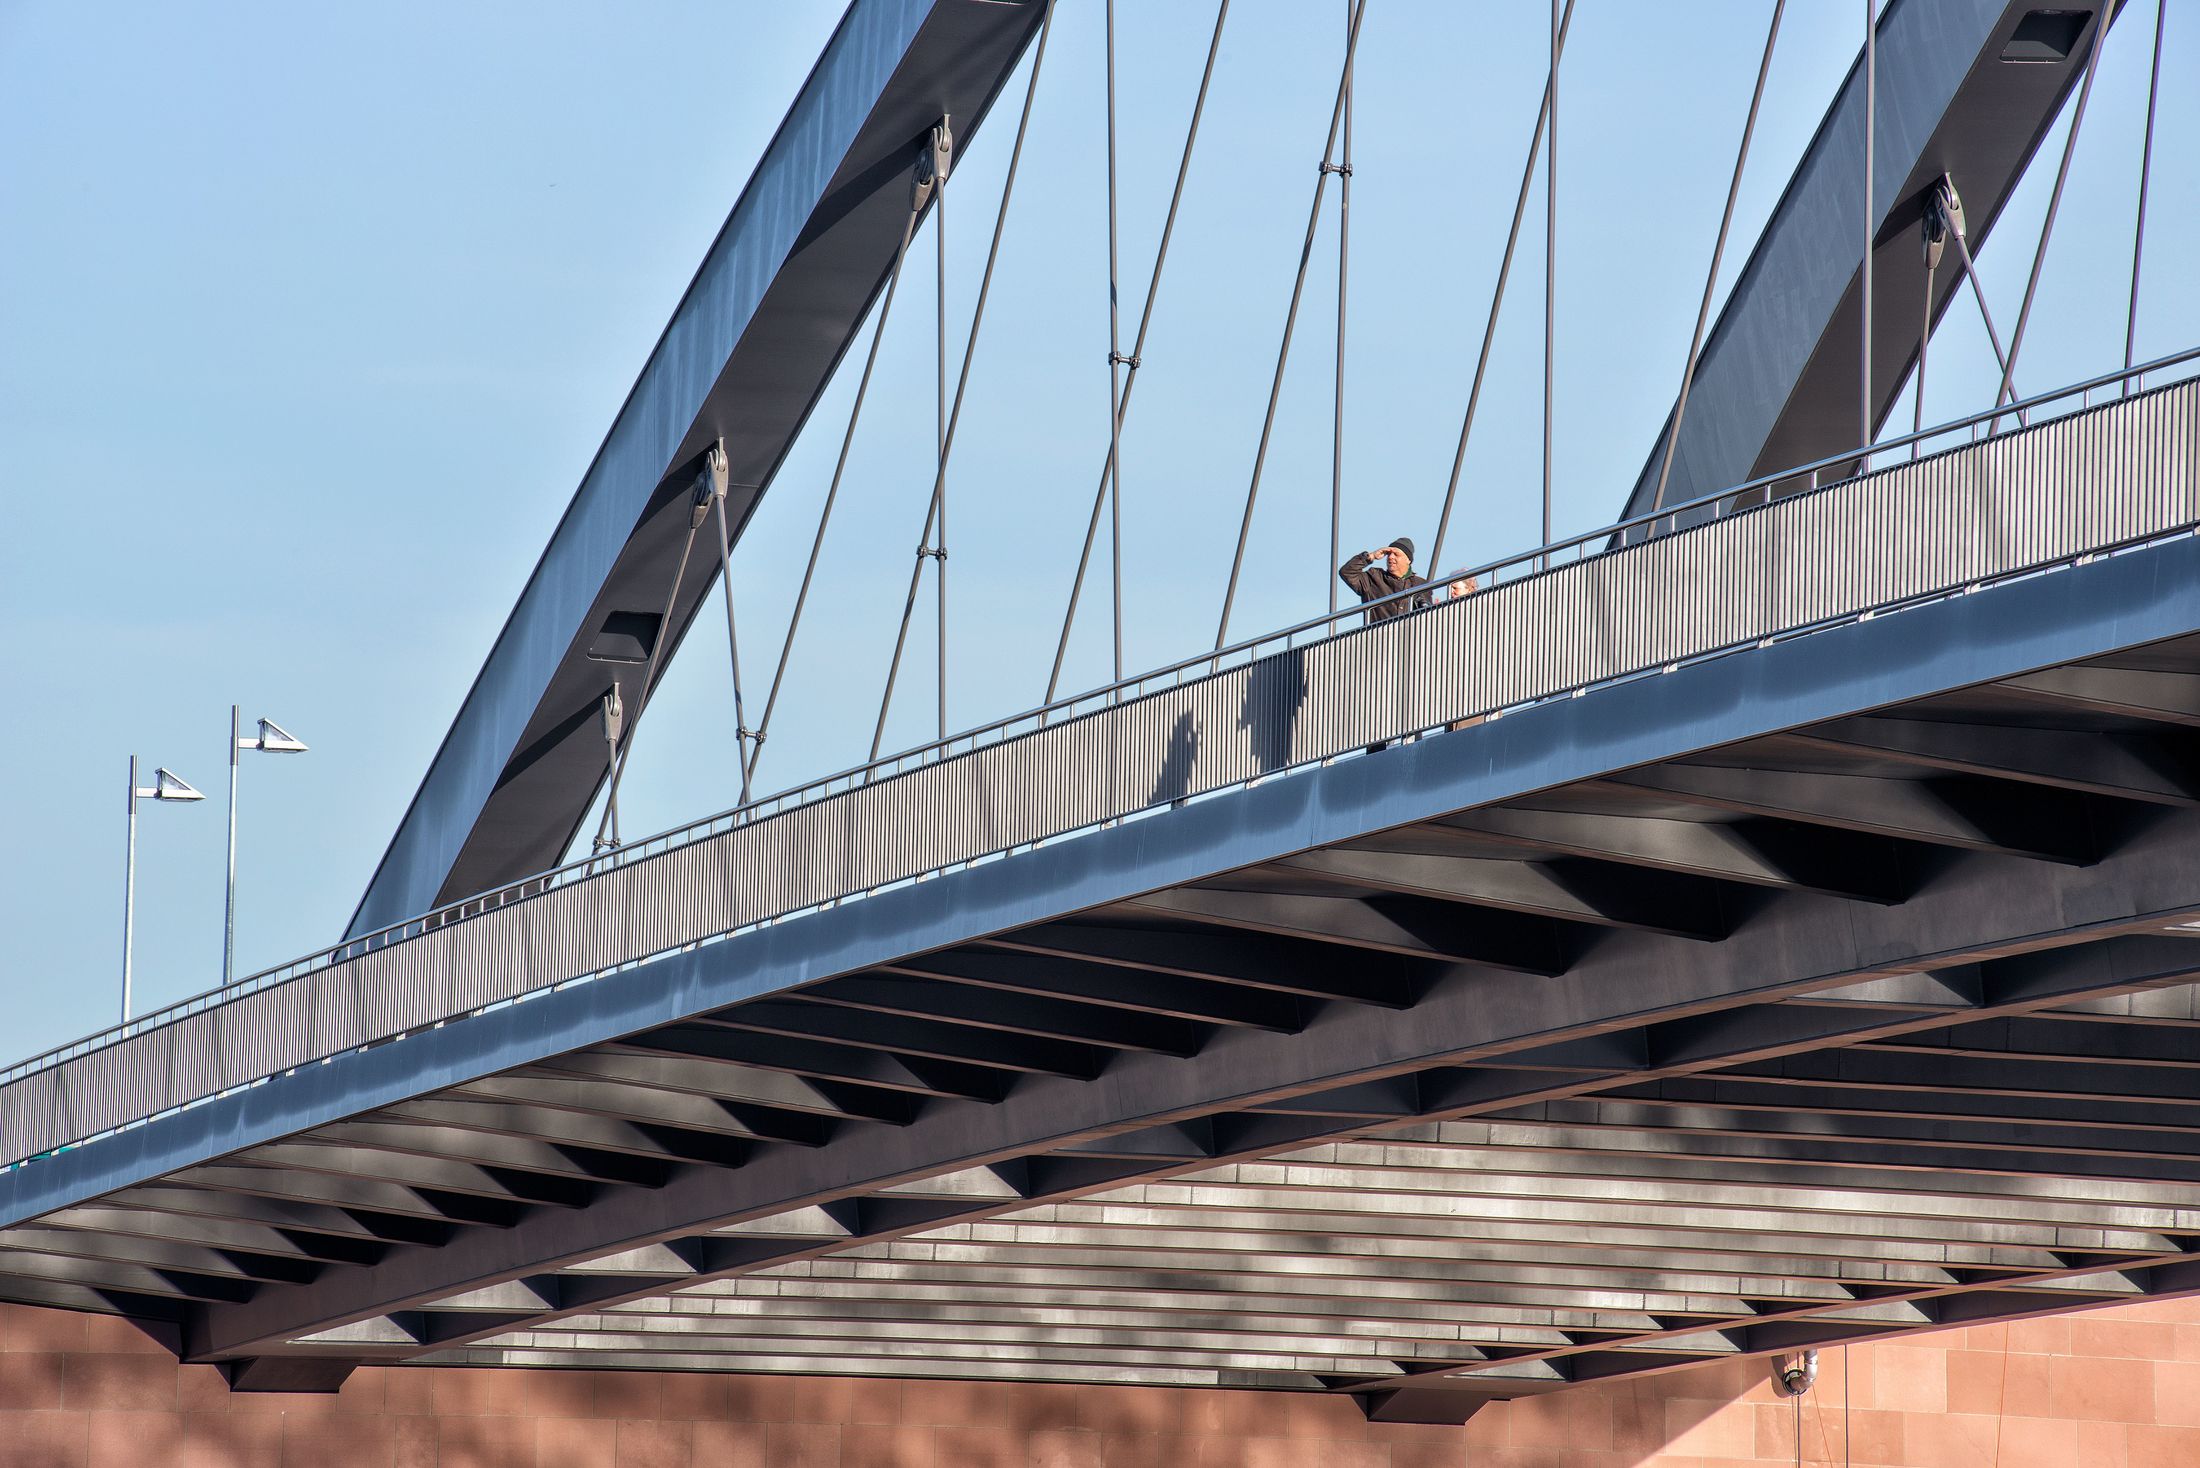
x: 1934, y: 233
x: 710, y: 485
x: 1947, y: 205
x: 933, y: 164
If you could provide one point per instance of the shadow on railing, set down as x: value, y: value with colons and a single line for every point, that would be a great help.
x: 1571, y: 550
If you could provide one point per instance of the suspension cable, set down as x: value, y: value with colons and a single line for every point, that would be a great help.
x: 699, y: 509
x: 1344, y: 268
x: 1718, y: 253
x: 1550, y: 275
x: 933, y: 184
x: 1924, y: 335
x: 2146, y: 168
x: 832, y: 492
x: 1954, y: 210
x: 1290, y: 324
x: 1497, y: 300
x: 1115, y: 373
x: 1871, y: 128
x: 720, y: 483
x: 939, y: 418
x: 2107, y: 15
x: 937, y: 507
x: 1138, y: 347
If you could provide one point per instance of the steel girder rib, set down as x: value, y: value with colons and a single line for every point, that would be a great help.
x: 1634, y: 1006
x: 1776, y: 383
x: 746, y: 354
x: 1978, y: 905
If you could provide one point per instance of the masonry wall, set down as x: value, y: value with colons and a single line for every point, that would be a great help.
x: 2109, y: 1389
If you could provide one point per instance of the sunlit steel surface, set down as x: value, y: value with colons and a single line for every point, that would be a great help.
x: 809, y: 243
x: 748, y: 350
x: 1704, y: 931
x: 2106, y: 477
x: 1779, y: 376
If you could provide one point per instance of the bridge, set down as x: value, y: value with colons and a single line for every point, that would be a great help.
x: 1763, y: 922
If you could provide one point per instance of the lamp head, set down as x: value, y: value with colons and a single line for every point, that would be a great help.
x: 169, y: 786
x: 275, y: 739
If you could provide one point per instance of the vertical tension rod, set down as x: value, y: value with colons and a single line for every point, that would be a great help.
x: 927, y: 185
x: 611, y: 714
x: 1934, y: 229
x: 716, y: 475
x: 943, y: 152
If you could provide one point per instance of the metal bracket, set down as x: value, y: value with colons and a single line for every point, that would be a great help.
x: 1949, y: 205
x: 1935, y: 233
x: 1340, y: 168
x: 933, y: 164
x: 1117, y: 359
x: 710, y: 485
x: 613, y: 713
x: 1794, y: 1375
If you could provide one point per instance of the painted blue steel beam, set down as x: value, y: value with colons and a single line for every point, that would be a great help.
x: 2086, y: 612
x: 2083, y: 612
x: 746, y: 354
x: 1779, y: 381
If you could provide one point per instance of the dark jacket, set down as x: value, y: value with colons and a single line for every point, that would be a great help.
x: 1373, y: 582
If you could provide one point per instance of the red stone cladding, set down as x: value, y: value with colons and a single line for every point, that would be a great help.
x: 2109, y: 1389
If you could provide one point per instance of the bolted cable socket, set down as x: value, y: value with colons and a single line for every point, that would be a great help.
x: 933, y: 164
x: 710, y: 485
x: 612, y: 714
x: 1948, y: 204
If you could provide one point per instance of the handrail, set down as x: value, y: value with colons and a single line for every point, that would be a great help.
x: 1532, y: 561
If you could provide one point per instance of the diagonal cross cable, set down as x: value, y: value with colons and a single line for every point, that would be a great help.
x: 1718, y: 253
x: 2007, y: 391
x: 1497, y: 300
x: 607, y: 823
x: 2146, y: 169
x: 832, y: 492
x: 935, y: 508
x: 1951, y: 209
x: 1290, y: 324
x: 1138, y: 348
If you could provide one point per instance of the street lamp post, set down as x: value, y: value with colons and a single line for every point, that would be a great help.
x: 272, y: 738
x: 165, y: 786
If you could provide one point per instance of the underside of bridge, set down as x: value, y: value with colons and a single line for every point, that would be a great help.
x: 1780, y: 932
x: 1868, y: 1008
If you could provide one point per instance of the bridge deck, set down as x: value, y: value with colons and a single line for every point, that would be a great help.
x: 1697, y: 935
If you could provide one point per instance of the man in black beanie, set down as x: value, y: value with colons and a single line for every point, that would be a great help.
x: 1376, y: 574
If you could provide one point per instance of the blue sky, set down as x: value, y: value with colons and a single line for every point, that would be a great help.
x: 311, y: 317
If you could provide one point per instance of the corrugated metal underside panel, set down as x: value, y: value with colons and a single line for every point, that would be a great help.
x: 1509, y: 1246
x: 1841, y: 987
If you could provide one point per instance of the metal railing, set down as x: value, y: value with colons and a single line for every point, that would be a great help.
x: 1684, y: 640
